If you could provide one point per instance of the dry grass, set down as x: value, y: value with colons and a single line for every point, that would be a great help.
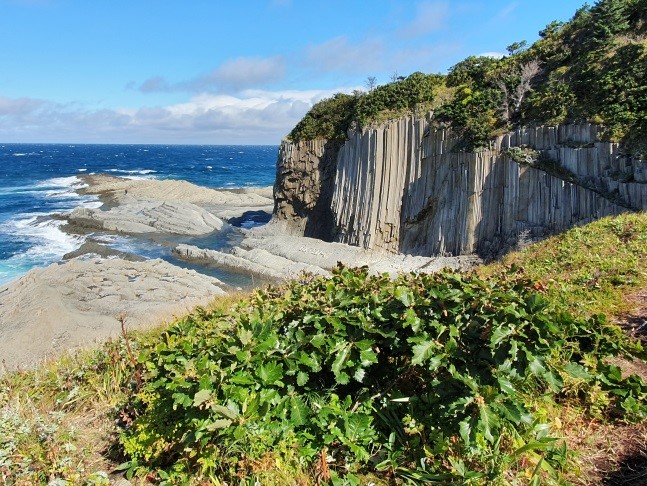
x: 609, y: 455
x: 59, y: 421
x: 612, y: 454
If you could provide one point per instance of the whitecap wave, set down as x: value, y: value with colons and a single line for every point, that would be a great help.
x: 64, y: 191
x: 60, y: 194
x: 5, y: 191
x: 132, y: 172
x: 63, y: 182
x: 47, y: 243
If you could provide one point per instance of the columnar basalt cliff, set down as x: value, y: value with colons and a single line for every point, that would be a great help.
x: 406, y: 187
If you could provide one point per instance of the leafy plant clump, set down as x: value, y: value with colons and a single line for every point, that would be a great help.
x: 333, y: 117
x: 423, y: 378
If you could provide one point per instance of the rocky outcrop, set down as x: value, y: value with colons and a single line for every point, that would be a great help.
x: 222, y: 203
x: 139, y: 217
x: 91, y: 248
x: 71, y: 305
x: 167, y: 207
x: 271, y: 254
x: 305, y: 178
x: 406, y: 187
x: 255, y: 261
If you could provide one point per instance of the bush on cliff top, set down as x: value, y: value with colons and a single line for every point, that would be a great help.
x: 331, y: 118
x: 443, y: 377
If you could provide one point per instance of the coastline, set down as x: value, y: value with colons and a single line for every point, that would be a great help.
x: 77, y: 301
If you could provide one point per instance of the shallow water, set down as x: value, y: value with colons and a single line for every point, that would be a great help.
x: 39, y: 180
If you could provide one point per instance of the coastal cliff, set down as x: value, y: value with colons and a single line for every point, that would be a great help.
x: 405, y: 186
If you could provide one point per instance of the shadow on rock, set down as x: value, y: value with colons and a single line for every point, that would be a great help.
x: 250, y: 219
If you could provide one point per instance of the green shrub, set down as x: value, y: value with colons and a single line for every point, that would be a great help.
x: 331, y: 118
x: 425, y: 377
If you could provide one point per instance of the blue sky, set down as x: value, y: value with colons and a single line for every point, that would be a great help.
x: 225, y: 72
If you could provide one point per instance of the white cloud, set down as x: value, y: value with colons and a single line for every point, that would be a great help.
x: 154, y: 85
x: 254, y: 116
x: 240, y: 73
x: 339, y: 54
x: 18, y: 106
x: 430, y: 17
x: 506, y: 11
x: 232, y: 75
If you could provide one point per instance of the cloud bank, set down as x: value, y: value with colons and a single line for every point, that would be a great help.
x: 251, y: 117
x: 233, y: 75
x: 430, y: 17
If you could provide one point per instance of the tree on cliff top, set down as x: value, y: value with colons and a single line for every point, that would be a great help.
x: 592, y: 68
x: 331, y: 118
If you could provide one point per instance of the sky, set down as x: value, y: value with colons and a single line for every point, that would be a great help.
x: 226, y: 72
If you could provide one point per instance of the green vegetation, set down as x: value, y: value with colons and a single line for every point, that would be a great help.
x: 427, y: 378
x: 593, y: 68
x: 332, y: 117
x: 587, y: 269
x: 454, y: 378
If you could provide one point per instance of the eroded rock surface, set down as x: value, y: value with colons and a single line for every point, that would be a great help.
x: 73, y: 304
x: 269, y: 253
x: 222, y: 203
x: 138, y: 217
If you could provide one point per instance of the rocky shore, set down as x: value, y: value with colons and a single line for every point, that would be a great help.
x: 164, y: 206
x: 268, y: 252
x: 76, y: 302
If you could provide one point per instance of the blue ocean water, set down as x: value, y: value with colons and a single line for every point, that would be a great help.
x: 39, y: 180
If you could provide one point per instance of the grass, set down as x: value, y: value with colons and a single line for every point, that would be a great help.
x: 55, y: 420
x: 594, y: 269
x: 59, y: 422
x: 587, y: 269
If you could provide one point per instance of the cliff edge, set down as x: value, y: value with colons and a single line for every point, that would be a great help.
x: 406, y: 187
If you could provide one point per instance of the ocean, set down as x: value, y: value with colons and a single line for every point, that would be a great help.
x: 38, y: 181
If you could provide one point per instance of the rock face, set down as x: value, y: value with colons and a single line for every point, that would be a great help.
x: 405, y: 187
x: 305, y: 178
